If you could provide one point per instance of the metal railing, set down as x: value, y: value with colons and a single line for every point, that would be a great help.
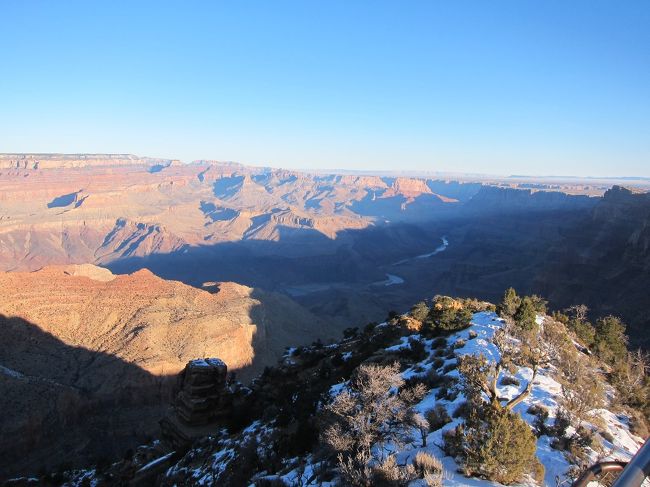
x: 633, y: 473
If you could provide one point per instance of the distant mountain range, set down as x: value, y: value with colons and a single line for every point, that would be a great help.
x: 326, y: 239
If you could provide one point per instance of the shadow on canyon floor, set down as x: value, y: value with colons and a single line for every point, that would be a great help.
x: 574, y: 256
x: 342, y: 279
x: 67, y: 406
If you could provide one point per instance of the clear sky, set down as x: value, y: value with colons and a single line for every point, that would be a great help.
x: 527, y: 87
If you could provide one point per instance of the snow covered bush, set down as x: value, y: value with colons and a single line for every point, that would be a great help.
x: 429, y: 468
x: 367, y: 419
x: 388, y: 473
x: 437, y: 417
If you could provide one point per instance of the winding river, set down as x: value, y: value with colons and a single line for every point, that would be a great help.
x: 392, y: 279
x: 440, y: 248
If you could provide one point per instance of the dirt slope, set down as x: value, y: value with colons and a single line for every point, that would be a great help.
x: 85, y: 354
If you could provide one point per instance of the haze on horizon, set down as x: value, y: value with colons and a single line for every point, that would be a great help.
x: 549, y: 88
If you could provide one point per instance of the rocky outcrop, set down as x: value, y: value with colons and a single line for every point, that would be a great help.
x: 408, y: 187
x: 202, y: 399
x: 202, y: 383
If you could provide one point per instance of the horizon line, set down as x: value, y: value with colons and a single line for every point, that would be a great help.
x: 411, y: 172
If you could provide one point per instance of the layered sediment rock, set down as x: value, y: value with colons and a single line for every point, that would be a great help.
x: 202, y: 399
x: 202, y: 384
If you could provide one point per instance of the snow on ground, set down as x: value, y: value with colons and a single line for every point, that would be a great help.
x: 546, y: 392
x: 477, y: 339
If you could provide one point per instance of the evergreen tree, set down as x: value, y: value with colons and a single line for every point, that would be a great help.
x: 509, y: 304
x: 610, y: 339
x: 539, y: 304
x: 525, y: 315
x: 448, y: 314
x: 497, y: 444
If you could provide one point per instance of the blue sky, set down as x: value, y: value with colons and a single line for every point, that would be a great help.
x: 501, y: 87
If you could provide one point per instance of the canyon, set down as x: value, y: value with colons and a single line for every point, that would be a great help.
x: 117, y: 270
x: 325, y: 239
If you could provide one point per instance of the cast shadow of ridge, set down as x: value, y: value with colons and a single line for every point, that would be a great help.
x: 69, y: 406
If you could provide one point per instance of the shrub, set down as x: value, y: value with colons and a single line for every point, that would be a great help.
x: 638, y: 425
x: 415, y: 350
x: 509, y: 380
x: 430, y: 380
x: 440, y: 352
x: 437, y: 417
x: 460, y: 343
x: 577, y: 445
x: 392, y: 315
x: 440, y: 343
x: 433, y: 480
x: 555, y: 336
x: 429, y: 468
x: 369, y: 328
x: 582, y: 389
x: 538, y: 471
x: 463, y: 410
x: 337, y: 359
x: 453, y: 441
x: 561, y: 422
x: 584, y: 331
x: 270, y: 482
x: 351, y: 332
x: 433, y: 379
x: 437, y: 363
x: 447, y: 392
x: 448, y: 314
x: 420, y: 311
x: 449, y: 367
x: 539, y: 304
x: 632, y: 382
x: 541, y: 415
x: 368, y: 413
x: 537, y: 410
x: 389, y: 474
x: 498, y: 445
x: 474, y: 305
